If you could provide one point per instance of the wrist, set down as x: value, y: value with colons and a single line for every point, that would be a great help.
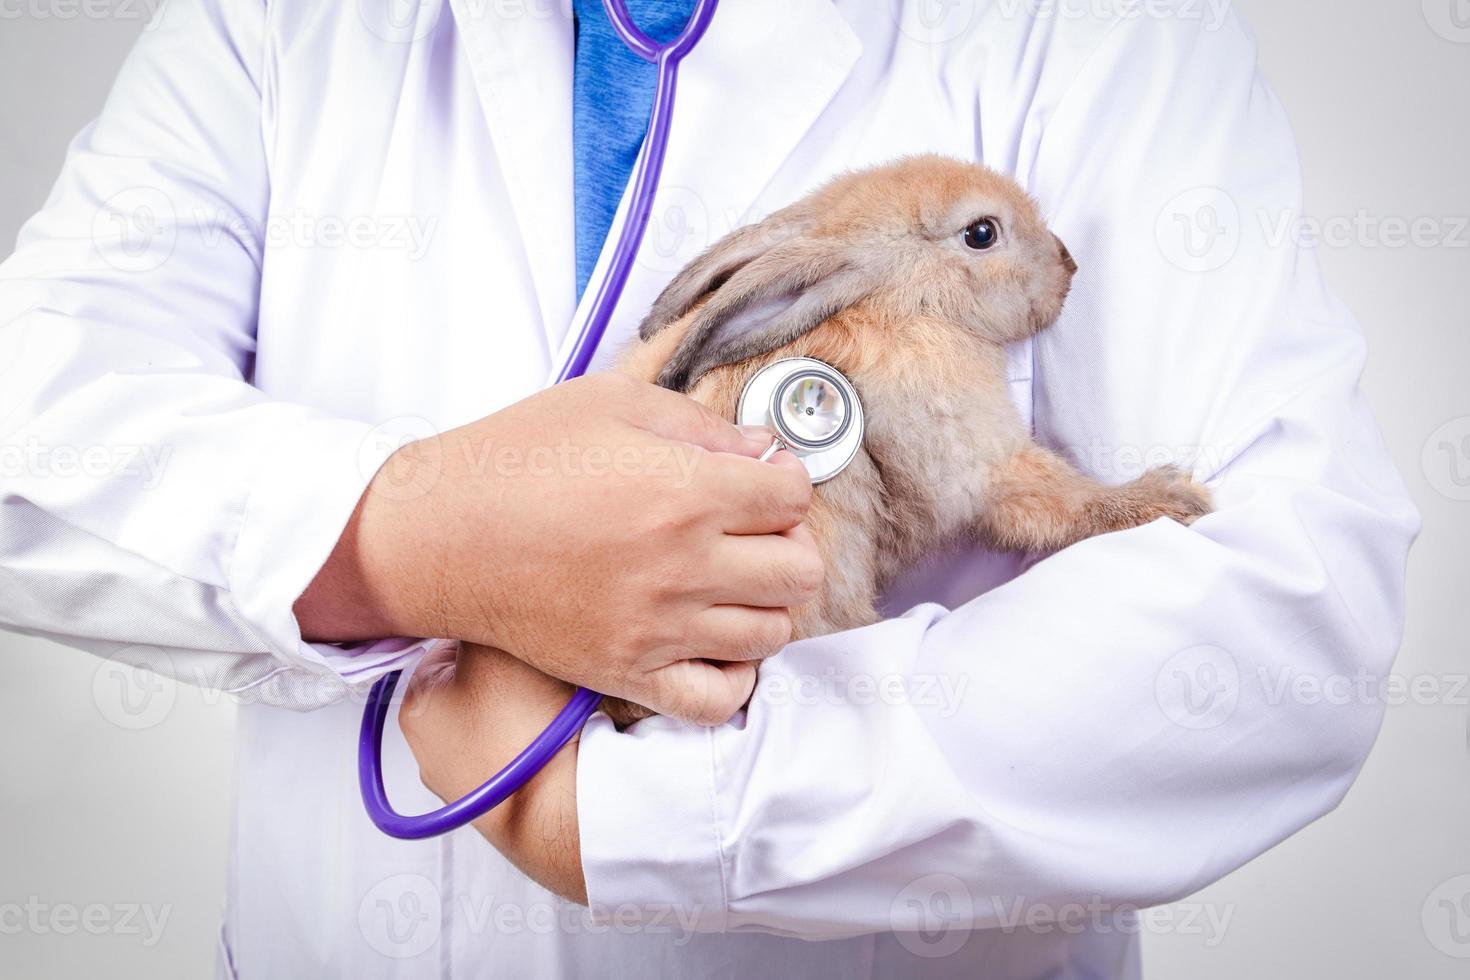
x: 370, y: 585
x: 399, y: 557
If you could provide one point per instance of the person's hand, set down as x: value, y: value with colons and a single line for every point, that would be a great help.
x: 606, y: 531
x: 467, y: 712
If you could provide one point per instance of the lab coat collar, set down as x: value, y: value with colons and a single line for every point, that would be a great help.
x: 521, y: 58
x: 747, y: 94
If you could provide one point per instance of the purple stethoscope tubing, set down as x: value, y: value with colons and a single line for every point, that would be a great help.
x: 570, y: 720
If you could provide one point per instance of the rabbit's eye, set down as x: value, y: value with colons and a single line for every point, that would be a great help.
x: 982, y: 234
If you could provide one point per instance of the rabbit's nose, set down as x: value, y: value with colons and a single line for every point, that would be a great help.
x: 1067, y: 259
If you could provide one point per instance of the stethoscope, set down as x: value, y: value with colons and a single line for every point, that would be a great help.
x: 810, y: 406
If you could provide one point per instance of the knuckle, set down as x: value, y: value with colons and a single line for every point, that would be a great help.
x: 647, y: 640
x: 781, y: 629
x: 811, y: 574
x: 737, y: 641
x: 797, y: 580
x: 715, y: 709
x: 799, y: 492
x: 707, y: 713
x: 797, y: 477
x: 673, y: 515
x: 408, y: 717
x: 704, y: 426
x: 770, y: 636
x: 704, y: 416
x: 787, y: 504
x: 685, y: 702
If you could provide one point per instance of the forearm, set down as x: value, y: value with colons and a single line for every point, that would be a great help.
x: 465, y: 716
x: 1129, y: 751
x: 536, y: 829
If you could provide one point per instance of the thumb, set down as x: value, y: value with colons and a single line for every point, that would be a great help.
x: 701, y: 692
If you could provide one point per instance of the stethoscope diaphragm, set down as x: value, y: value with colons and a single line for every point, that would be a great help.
x: 814, y: 411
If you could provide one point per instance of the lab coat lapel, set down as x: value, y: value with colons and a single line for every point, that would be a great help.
x: 521, y: 57
x: 747, y: 95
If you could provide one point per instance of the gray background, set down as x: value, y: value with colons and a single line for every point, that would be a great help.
x: 95, y: 809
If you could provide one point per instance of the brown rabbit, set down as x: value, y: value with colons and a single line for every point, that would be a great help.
x: 909, y: 278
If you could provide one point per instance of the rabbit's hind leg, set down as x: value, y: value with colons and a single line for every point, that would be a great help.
x: 1040, y: 502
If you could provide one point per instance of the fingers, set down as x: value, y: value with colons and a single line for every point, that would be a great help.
x: 768, y: 570
x: 751, y: 497
x: 682, y: 419
x: 732, y: 634
x: 702, y: 693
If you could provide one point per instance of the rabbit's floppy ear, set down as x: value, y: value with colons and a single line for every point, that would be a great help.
x: 764, y: 304
x: 767, y: 304
x: 718, y: 263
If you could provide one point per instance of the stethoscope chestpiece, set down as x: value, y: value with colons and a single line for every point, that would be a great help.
x: 814, y: 411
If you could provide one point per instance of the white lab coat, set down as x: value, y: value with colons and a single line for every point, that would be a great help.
x: 302, y: 231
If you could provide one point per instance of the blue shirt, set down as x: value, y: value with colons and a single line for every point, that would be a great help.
x: 612, y: 94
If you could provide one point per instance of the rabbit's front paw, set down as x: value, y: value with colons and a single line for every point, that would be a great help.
x: 624, y: 713
x: 1168, y: 492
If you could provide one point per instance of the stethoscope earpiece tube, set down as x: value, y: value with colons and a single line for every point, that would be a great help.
x: 582, y: 705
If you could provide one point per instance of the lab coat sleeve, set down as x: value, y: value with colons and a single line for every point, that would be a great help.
x: 1132, y: 718
x: 153, y: 504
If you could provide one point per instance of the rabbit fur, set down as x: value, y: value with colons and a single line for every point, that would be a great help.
x: 874, y: 274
